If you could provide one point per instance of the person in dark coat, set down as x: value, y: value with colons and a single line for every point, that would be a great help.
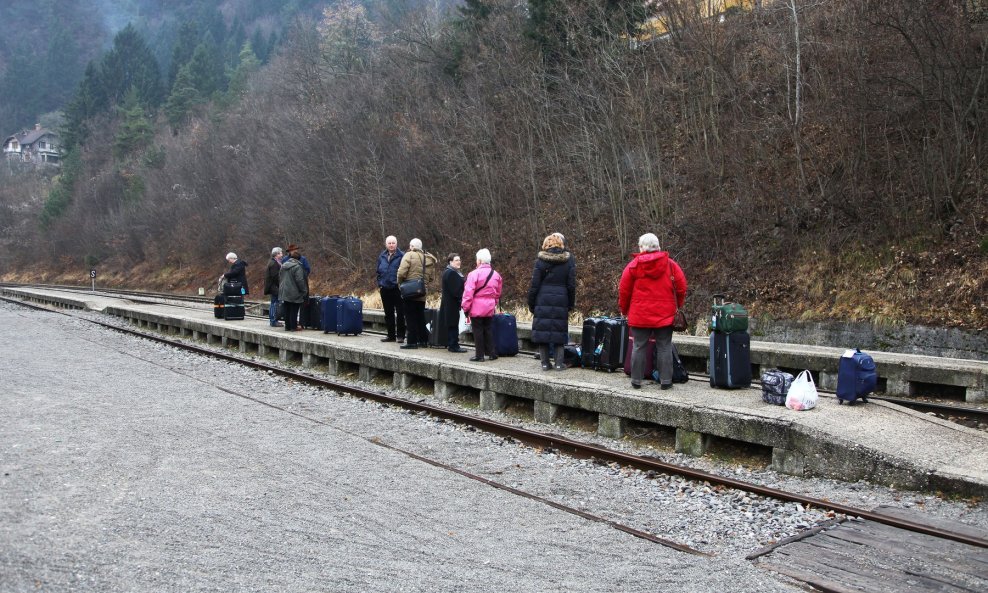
x: 388, y: 263
x: 551, y: 296
x: 449, y: 308
x: 292, y: 289
x: 271, y: 280
x: 652, y: 287
x: 237, y: 272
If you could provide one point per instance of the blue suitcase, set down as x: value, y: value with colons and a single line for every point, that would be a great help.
x: 856, y: 377
x: 505, y: 330
x: 327, y: 308
x: 349, y: 316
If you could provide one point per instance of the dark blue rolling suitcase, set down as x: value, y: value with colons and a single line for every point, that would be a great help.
x: 730, y: 360
x: 505, y: 330
x: 856, y: 377
x: 219, y: 301
x: 327, y: 307
x: 349, y: 316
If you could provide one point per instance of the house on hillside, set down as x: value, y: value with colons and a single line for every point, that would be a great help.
x: 38, y: 146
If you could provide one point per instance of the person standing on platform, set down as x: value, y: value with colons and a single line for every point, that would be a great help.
x: 551, y: 296
x: 415, y: 264
x: 387, y: 282
x: 652, y: 287
x: 237, y: 272
x: 291, y: 289
x: 481, y: 292
x: 306, y: 270
x: 449, y: 308
x: 271, y: 281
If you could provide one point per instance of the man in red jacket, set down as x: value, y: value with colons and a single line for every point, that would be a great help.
x: 652, y: 288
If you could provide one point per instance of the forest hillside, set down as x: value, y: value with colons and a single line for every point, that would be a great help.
x: 812, y: 160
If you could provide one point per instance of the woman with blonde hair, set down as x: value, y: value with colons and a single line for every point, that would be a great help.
x: 551, y: 296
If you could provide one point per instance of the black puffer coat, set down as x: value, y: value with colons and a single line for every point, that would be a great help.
x: 552, y: 295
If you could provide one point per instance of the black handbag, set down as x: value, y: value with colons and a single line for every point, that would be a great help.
x: 413, y: 289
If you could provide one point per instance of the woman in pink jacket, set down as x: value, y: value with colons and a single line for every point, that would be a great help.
x: 481, y: 292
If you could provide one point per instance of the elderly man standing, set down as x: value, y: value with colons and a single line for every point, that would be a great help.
x: 271, y: 280
x: 387, y: 281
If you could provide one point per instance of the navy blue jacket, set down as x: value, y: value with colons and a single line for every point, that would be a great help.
x: 387, y: 271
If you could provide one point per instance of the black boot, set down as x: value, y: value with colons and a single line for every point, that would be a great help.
x: 544, y: 355
x: 560, y: 357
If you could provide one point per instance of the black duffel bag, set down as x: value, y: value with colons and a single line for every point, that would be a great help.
x: 413, y: 289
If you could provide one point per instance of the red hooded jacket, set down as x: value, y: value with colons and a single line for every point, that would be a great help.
x: 645, y: 295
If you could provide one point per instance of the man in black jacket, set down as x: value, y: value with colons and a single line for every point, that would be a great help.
x: 271, y: 284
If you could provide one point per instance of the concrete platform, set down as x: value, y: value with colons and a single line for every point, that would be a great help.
x: 879, y: 442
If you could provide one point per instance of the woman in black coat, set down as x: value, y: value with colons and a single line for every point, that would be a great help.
x: 551, y: 296
x: 449, y: 309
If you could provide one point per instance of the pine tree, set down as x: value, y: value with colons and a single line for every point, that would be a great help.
x: 182, y: 99
x: 135, y: 130
x: 561, y: 27
x: 185, y: 44
x: 247, y: 66
x: 130, y: 64
x: 206, y: 70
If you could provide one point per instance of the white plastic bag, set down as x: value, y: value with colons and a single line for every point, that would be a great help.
x: 802, y: 393
x: 464, y: 325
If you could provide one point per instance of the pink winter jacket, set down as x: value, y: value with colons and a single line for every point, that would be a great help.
x: 483, y: 302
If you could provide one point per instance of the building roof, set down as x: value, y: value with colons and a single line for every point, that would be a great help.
x: 29, y: 137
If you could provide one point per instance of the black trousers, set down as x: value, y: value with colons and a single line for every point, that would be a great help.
x: 415, y: 313
x: 291, y: 315
x: 394, y: 312
x: 483, y: 336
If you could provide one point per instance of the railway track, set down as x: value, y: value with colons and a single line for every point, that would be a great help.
x: 554, y: 442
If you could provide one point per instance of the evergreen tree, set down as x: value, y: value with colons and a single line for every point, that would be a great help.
x: 88, y: 97
x: 260, y: 46
x: 473, y: 12
x: 185, y: 44
x: 206, y: 70
x: 182, y: 99
x: 60, y: 196
x: 130, y: 64
x: 248, y: 65
x: 135, y: 130
x: 564, y: 27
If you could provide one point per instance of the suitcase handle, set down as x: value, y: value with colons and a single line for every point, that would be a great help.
x: 718, y: 299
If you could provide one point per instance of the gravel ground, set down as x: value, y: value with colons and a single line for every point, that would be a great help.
x: 134, y: 466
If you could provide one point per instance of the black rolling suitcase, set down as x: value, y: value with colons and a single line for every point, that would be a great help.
x: 730, y: 360
x: 219, y: 301
x: 612, y: 342
x: 309, y: 315
x: 234, y: 308
x: 589, y: 341
x: 438, y: 334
